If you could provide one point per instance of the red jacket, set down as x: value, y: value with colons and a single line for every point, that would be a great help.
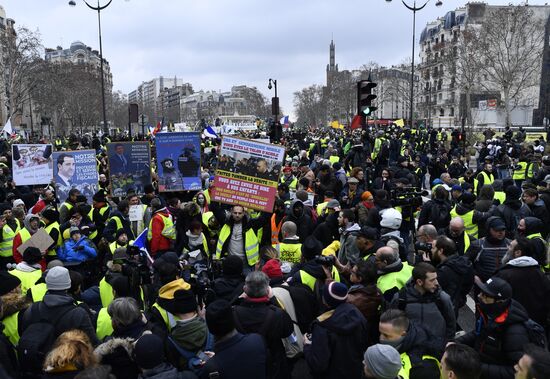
x: 18, y: 257
x: 158, y: 241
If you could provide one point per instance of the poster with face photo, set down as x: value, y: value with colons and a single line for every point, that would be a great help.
x: 129, y: 167
x: 75, y: 169
x: 32, y: 164
x: 247, y: 173
x: 178, y: 161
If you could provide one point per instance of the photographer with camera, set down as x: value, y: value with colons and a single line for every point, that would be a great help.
x: 425, y: 238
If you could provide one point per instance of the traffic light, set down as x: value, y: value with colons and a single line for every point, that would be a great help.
x: 365, y: 97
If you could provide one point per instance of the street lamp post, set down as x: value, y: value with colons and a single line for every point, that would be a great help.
x: 99, y: 8
x: 414, y: 9
x: 276, y: 131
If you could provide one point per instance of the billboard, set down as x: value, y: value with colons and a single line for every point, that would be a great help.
x: 129, y: 167
x: 32, y: 164
x: 75, y: 169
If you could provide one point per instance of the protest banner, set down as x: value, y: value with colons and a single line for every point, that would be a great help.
x: 247, y: 173
x: 129, y: 167
x: 32, y: 164
x: 179, y: 161
x: 75, y: 169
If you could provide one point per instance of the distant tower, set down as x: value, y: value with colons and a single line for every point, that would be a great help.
x: 332, y: 67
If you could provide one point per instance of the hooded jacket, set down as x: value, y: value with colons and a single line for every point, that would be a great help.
x: 424, y: 309
x: 456, y: 277
x: 326, y: 232
x: 349, y: 252
x: 534, y: 225
x: 77, y: 251
x: 511, y: 212
x: 499, y: 340
x: 302, y: 220
x: 17, y: 256
x: 340, y: 339
x: 529, y: 286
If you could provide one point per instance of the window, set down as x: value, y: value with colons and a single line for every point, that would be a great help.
x: 441, y: 112
x: 452, y: 112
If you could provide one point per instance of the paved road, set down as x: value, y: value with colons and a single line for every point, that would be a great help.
x: 466, y: 316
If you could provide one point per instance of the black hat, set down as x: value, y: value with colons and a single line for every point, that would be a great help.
x: 369, y: 233
x: 232, y: 265
x: 401, y: 159
x: 467, y: 198
x: 119, y: 233
x: 495, y: 287
x: 32, y: 255
x: 99, y: 197
x: 512, y: 192
x: 219, y: 318
x: 8, y: 282
x: 311, y: 247
x: 149, y: 351
x: 50, y: 214
x: 495, y: 223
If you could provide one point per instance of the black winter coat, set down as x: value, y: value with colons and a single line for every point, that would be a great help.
x: 456, y: 277
x: 419, y: 342
x: 501, y: 343
x: 511, y: 212
x: 339, y: 339
x: 439, y: 217
x: 228, y: 288
x: 486, y: 254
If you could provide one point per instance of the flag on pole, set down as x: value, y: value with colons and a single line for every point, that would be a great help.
x: 284, y: 121
x: 356, y: 122
x: 7, y: 128
x: 159, y: 126
x: 141, y: 243
x: 210, y: 132
x: 400, y: 122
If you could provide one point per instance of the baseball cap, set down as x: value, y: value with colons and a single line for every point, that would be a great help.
x: 333, y: 204
x: 369, y: 233
x: 496, y: 223
x: 495, y: 287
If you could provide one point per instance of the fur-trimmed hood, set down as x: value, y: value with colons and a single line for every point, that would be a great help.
x: 14, y: 302
x: 110, y: 346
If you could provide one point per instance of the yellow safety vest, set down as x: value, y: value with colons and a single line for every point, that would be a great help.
x: 394, y: 279
x: 207, y: 196
x: 169, y: 319
x: 67, y: 205
x: 521, y: 172
x: 28, y: 279
x: 466, y: 242
x: 6, y: 246
x: 292, y: 184
x: 38, y: 291
x: 104, y: 326
x: 500, y: 196
x: 461, y: 180
x: 310, y: 280
x: 333, y: 159
x: 469, y: 225
x: 487, y: 178
x: 406, y: 365
x: 11, y: 325
x: 168, y: 231
x: 321, y: 207
x: 289, y: 252
x: 105, y: 293
x: 252, y: 250
x: 59, y: 242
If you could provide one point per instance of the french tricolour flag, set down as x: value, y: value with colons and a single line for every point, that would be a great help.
x: 284, y: 121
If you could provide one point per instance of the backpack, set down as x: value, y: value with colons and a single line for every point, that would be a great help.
x: 536, y: 334
x: 439, y: 215
x: 38, y: 338
x: 195, y: 361
x: 306, y: 304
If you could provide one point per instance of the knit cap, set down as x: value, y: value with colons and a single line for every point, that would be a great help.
x: 272, y: 269
x: 219, y: 317
x: 149, y: 351
x: 383, y: 361
x: 334, y: 294
x: 8, y: 282
x: 58, y: 279
x: 168, y: 300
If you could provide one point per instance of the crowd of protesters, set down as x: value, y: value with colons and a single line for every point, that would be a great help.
x: 378, y: 241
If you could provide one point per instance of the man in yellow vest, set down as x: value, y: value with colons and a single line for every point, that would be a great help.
x: 238, y: 235
x: 160, y: 317
x: 70, y: 203
x: 50, y: 219
x: 290, y: 247
x: 485, y: 176
x: 414, y: 342
x: 32, y: 224
x: 29, y: 270
x: 393, y: 273
x: 6, y: 242
x: 14, y: 305
x: 465, y: 209
x: 119, y: 220
x: 99, y: 214
x: 457, y: 233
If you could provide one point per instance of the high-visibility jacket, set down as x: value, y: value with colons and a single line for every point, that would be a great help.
x: 289, y: 252
x: 520, y: 173
x: 168, y: 318
x: 500, y: 195
x: 333, y: 159
x: 38, y: 291
x: 291, y: 184
x: 469, y: 225
x: 275, y: 229
x: 6, y: 246
x: 394, y: 279
x: 168, y: 229
x: 487, y: 178
x: 252, y: 250
x: 461, y: 180
x: 59, y: 242
x: 104, y: 326
x: 321, y: 207
x: 11, y: 326
x: 25, y: 235
x: 467, y: 241
x: 309, y: 280
x: 404, y: 373
x: 28, y: 278
x: 105, y: 293
x: 377, y: 147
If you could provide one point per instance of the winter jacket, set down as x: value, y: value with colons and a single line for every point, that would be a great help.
x: 533, y: 226
x: 251, y: 316
x: 302, y: 220
x: 238, y: 356
x: 8, y: 360
x: 166, y: 371
x: 348, y: 248
x: 433, y: 310
x: 368, y: 300
x: 374, y: 217
x: 110, y: 230
x: 190, y: 335
x: 435, y: 212
x: 339, y: 339
x: 159, y: 242
x: 529, y: 286
x: 228, y: 288
x: 456, y: 277
x: 57, y: 302
x: 486, y: 254
x: 77, y: 251
x: 499, y: 341
x: 511, y: 212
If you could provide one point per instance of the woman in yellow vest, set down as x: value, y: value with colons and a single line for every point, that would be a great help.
x: 29, y: 270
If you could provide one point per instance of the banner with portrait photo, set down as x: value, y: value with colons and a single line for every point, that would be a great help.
x: 75, y: 169
x: 247, y: 173
x: 178, y: 161
x: 129, y: 167
x: 32, y: 164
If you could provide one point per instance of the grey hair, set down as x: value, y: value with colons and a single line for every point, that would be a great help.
x: 124, y: 311
x: 256, y: 284
x: 289, y: 228
x: 429, y: 230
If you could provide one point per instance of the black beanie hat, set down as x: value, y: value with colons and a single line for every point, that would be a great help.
x: 512, y: 193
x: 8, y: 282
x: 311, y: 247
x: 184, y: 301
x: 32, y: 255
x: 51, y: 214
x: 219, y: 317
x: 232, y: 265
x: 149, y: 351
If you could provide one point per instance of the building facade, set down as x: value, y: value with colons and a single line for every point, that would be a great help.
x: 147, y: 95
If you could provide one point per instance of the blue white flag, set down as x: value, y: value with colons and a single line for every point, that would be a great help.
x: 210, y: 132
x: 141, y: 240
x: 284, y: 120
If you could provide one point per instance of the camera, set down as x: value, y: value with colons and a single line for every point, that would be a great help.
x: 325, y: 260
x: 423, y: 246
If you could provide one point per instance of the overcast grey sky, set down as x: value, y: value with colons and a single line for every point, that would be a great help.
x: 214, y: 44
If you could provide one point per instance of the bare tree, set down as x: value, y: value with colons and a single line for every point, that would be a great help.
x: 510, y: 44
x: 310, y: 106
x: 119, y: 110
